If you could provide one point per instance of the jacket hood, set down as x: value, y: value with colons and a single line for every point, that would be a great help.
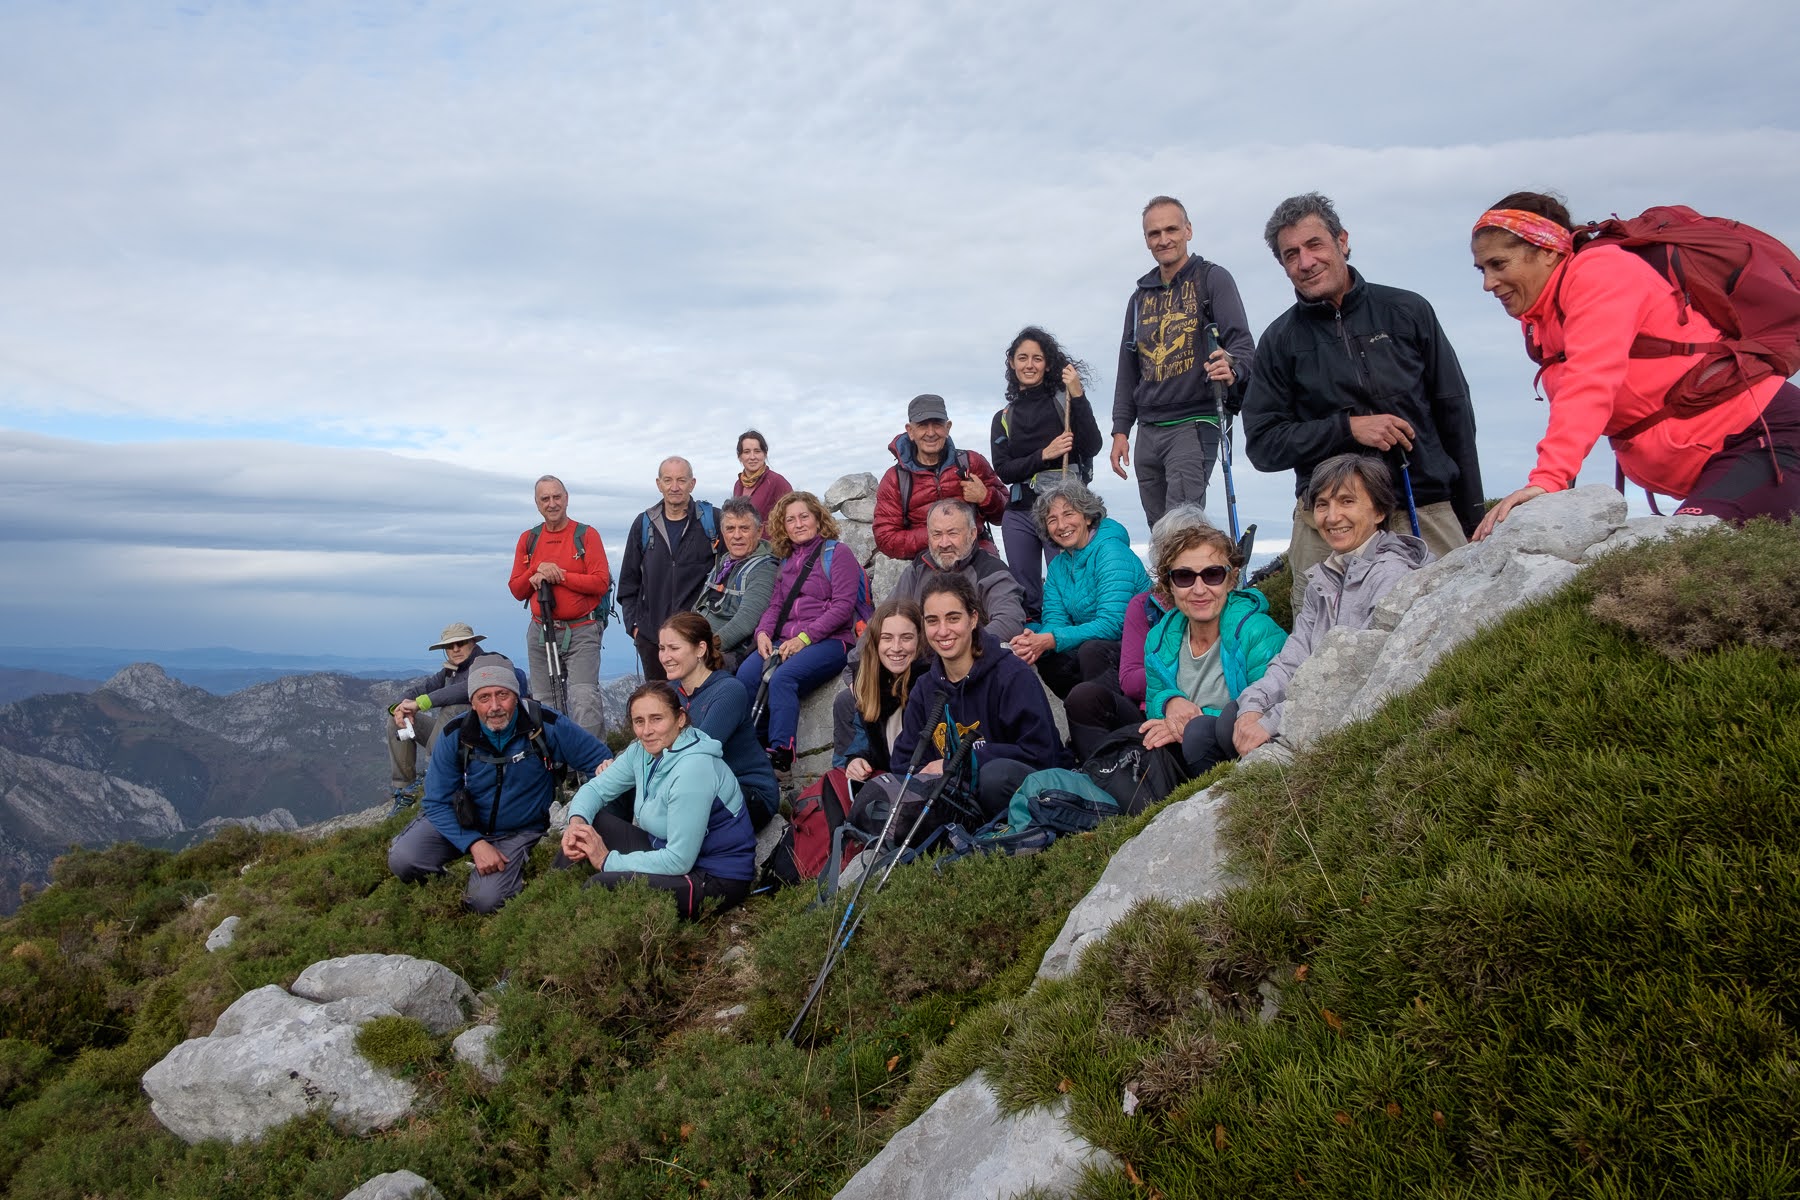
x: 1384, y: 545
x: 1326, y: 309
x: 692, y: 743
x: 1152, y: 279
x: 904, y: 453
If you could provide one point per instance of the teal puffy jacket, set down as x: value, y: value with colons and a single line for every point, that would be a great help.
x: 1249, y: 639
x: 1086, y: 590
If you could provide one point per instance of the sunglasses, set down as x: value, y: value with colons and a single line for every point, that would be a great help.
x: 1185, y: 577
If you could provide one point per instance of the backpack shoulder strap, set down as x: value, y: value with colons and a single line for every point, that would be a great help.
x: 581, y: 532
x: 709, y: 521
x: 531, y: 540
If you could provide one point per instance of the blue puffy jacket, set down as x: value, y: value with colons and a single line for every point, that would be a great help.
x: 1249, y: 639
x: 1086, y: 591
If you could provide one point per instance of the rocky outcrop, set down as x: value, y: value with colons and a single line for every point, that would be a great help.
x: 428, y: 992
x: 276, y: 820
x: 475, y: 1046
x: 960, y: 1149
x: 53, y: 804
x: 223, y: 935
x: 272, y: 1057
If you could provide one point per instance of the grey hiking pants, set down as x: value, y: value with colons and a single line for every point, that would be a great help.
x: 581, y: 664
x: 1173, y: 463
x: 420, y: 850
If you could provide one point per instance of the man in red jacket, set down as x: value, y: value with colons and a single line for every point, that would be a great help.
x: 569, y: 557
x: 930, y: 468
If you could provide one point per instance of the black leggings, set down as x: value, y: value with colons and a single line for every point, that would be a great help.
x: 1757, y: 471
x: 1063, y: 669
x: 691, y: 891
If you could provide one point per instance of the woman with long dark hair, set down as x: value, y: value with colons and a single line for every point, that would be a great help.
x: 1045, y: 433
x: 866, y: 715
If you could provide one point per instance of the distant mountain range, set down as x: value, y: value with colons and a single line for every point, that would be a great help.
x: 145, y: 757
x: 218, y: 669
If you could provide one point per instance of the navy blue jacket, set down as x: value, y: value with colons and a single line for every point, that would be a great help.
x: 999, y: 701
x: 720, y: 708
x: 511, y: 794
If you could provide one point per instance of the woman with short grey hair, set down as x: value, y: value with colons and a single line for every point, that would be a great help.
x: 1087, y: 588
x: 1352, y: 496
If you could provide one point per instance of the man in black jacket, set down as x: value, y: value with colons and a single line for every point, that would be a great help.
x: 1356, y: 367
x: 1165, y: 374
x: 669, y: 552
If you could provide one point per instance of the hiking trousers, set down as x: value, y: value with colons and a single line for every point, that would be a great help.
x: 1757, y: 471
x: 403, y: 755
x: 420, y: 850
x: 797, y: 677
x: 691, y: 891
x: 581, y: 663
x: 1173, y: 463
x: 1027, y: 554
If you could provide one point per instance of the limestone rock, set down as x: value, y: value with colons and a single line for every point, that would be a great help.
x: 884, y: 573
x: 813, y: 734
x: 396, y: 1185
x: 858, y: 537
x: 223, y: 935
x: 272, y: 1057
x: 475, y: 1046
x: 1563, y: 524
x: 963, y: 1148
x: 1058, y: 712
x: 1650, y: 529
x: 860, y: 511
x: 1338, y: 667
x: 768, y: 839
x: 858, y: 486
x: 1176, y: 858
x: 428, y: 992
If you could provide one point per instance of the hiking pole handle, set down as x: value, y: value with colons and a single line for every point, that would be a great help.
x: 1214, y: 343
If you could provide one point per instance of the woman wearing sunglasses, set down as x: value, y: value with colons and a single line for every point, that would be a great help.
x: 1214, y: 643
x: 1352, y: 497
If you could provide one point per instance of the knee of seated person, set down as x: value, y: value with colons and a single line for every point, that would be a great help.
x: 487, y: 901
x: 403, y: 868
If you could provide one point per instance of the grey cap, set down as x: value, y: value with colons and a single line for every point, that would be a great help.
x: 926, y: 408
x: 492, y: 670
x: 456, y: 631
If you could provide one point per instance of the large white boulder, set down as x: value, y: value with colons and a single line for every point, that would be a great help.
x: 428, y: 992
x: 964, y: 1148
x: 272, y: 1057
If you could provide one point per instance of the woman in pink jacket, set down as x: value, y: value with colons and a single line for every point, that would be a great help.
x: 1581, y: 313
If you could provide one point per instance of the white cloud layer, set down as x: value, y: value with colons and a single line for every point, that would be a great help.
x: 306, y: 296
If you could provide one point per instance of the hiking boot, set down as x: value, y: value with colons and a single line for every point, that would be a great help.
x: 406, y: 797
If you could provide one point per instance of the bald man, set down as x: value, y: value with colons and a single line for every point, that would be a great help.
x: 669, y: 552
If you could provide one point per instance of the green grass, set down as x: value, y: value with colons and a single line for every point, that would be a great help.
x: 1531, y: 931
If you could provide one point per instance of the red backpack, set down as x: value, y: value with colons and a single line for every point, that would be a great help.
x: 1742, y: 280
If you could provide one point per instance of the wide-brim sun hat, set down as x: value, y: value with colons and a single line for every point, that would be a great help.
x: 456, y: 631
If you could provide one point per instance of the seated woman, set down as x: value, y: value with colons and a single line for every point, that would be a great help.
x: 1096, y: 707
x: 1046, y: 431
x: 1214, y: 643
x: 718, y: 706
x: 689, y: 833
x: 990, y: 695
x: 1086, y: 589
x: 1352, y: 497
x: 865, y: 717
x: 1582, y: 313
x: 811, y: 619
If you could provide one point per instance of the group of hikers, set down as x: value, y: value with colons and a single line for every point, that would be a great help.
x: 739, y: 612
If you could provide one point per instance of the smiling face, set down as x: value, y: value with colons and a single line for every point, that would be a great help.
x: 752, y: 454
x: 654, y: 726
x: 801, y: 525
x: 1067, y: 527
x: 1167, y: 233
x: 1346, y: 517
x: 679, y: 657
x: 950, y: 629
x: 1514, y: 271
x: 494, y: 705
x: 1317, y: 263
x: 1028, y: 364
x: 740, y: 533
x: 1201, y: 602
x: 897, y: 645
x: 552, y: 504
x: 928, y: 438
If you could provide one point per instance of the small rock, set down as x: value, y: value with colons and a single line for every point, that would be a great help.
x: 731, y: 955
x: 732, y: 1013
x: 396, y: 1185
x: 1130, y: 1103
x: 428, y: 992
x: 199, y: 902
x: 475, y: 1047
x: 862, y: 511
x: 245, y: 869
x: 223, y: 935
x: 769, y: 838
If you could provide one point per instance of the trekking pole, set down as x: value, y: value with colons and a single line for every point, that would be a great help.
x: 1068, y: 404
x: 1412, y: 511
x: 1245, y: 539
x: 840, y: 938
x: 760, y: 705
x: 553, y: 664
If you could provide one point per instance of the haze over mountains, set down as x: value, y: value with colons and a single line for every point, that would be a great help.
x: 144, y: 756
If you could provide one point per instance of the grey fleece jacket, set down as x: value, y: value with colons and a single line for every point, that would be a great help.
x: 1340, y: 594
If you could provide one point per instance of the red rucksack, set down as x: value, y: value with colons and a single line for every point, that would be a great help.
x: 805, y: 848
x: 1744, y: 281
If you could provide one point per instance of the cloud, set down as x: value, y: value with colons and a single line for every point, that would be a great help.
x: 343, y: 279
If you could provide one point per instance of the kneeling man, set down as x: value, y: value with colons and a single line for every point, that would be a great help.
x: 490, y: 785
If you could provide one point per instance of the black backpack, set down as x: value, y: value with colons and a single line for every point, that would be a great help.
x: 1132, y: 775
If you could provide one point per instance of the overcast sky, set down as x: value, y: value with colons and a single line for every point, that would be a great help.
x: 296, y: 300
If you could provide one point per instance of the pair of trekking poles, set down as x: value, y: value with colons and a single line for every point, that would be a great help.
x: 1246, y: 539
x: 854, y: 909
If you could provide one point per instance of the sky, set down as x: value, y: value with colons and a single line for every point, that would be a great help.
x: 296, y: 301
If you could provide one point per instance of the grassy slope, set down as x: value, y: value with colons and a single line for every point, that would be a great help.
x: 1531, y: 928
